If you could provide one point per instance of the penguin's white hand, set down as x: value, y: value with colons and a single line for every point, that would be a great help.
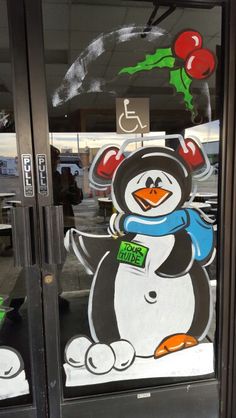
x: 76, y: 350
x: 100, y: 358
x: 114, y: 225
x: 124, y: 354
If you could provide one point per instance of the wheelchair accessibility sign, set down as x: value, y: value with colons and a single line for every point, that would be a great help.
x: 132, y: 116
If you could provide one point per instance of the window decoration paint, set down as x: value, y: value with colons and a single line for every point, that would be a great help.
x: 13, y: 381
x: 77, y: 79
x: 2, y: 310
x: 131, y: 253
x: 146, y: 319
x: 186, y: 59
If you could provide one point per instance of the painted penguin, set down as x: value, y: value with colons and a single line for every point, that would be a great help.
x: 150, y: 294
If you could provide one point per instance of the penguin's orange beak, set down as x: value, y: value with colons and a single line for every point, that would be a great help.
x: 150, y: 197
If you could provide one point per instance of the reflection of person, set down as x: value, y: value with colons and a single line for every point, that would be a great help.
x: 65, y: 193
x: 65, y: 190
x: 59, y: 197
x: 67, y: 178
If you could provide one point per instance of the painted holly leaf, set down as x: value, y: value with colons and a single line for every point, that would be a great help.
x: 162, y: 58
x: 182, y: 82
x: 3, y: 309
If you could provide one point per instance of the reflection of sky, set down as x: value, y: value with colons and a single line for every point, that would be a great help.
x: 98, y: 139
x: 206, y: 133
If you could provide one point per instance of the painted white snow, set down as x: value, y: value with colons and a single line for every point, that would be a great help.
x: 72, y: 84
x: 16, y: 386
x: 191, y: 362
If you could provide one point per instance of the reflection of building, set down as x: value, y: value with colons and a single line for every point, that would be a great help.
x: 212, y: 150
x: 8, y: 166
x: 66, y: 150
x: 87, y: 155
x: 84, y: 155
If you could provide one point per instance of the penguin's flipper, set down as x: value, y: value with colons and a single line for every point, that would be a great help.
x: 89, y: 249
x: 180, y: 259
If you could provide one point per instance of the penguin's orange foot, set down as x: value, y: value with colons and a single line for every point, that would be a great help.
x: 174, y: 343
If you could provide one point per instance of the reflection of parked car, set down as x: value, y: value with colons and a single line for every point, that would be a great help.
x: 75, y: 170
x: 70, y: 161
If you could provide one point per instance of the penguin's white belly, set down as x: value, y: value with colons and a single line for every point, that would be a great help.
x: 148, y: 307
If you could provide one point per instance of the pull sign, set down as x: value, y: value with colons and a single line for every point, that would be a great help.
x: 42, y: 171
x: 27, y: 171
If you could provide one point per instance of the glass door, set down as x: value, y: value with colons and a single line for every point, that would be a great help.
x: 22, y: 375
x: 134, y: 135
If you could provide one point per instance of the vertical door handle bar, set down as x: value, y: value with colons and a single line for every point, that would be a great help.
x: 23, y: 236
x: 53, y: 225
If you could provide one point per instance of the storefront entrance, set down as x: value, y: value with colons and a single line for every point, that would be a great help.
x: 117, y: 215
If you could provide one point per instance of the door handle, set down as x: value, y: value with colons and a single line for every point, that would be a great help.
x: 24, y: 233
x: 54, y: 250
x: 23, y: 236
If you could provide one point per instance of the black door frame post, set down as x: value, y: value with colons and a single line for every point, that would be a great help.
x: 227, y: 224
x: 32, y: 274
x: 50, y: 219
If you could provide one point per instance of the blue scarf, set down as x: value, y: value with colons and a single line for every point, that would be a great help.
x: 200, y: 231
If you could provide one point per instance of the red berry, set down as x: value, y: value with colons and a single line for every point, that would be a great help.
x: 200, y: 64
x: 187, y: 42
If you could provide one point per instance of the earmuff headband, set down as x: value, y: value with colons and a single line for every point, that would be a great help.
x: 109, y: 157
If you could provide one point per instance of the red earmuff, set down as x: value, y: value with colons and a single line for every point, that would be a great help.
x: 104, y: 165
x: 110, y: 157
x: 193, y: 154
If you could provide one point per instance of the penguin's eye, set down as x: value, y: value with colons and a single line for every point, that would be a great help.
x: 149, y: 182
x: 157, y: 182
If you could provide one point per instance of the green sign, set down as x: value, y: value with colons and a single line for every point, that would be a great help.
x: 2, y: 311
x: 131, y: 253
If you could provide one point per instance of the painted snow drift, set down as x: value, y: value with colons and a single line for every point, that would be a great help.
x: 13, y: 381
x: 150, y: 297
